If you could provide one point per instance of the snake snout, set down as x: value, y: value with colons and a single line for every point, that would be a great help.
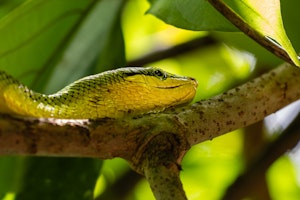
x: 194, y: 81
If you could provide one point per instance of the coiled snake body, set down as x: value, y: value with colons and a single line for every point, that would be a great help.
x: 114, y: 94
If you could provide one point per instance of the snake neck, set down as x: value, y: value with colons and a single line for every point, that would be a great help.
x: 5, y: 82
x: 17, y: 98
x: 78, y: 100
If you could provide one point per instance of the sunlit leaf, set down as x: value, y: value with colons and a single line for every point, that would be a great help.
x: 262, y: 21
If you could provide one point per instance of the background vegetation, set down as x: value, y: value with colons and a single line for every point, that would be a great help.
x: 48, y: 44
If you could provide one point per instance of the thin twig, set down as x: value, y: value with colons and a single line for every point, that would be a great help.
x: 176, y: 50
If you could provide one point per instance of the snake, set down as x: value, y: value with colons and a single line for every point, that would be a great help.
x: 128, y: 91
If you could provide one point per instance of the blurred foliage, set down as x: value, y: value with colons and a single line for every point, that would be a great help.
x: 7, y: 5
x: 61, y: 41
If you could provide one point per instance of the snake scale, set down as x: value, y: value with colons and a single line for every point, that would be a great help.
x: 113, y: 94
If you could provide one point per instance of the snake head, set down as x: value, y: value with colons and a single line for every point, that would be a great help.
x: 146, y: 90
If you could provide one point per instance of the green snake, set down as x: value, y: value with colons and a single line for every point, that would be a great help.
x: 114, y: 94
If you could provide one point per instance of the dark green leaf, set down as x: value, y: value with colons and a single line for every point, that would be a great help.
x: 33, y: 34
x: 7, y: 5
x: 190, y: 14
x: 11, y: 169
x: 59, y: 178
x: 88, y: 42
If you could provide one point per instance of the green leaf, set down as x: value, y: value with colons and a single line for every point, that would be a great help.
x: 11, y: 169
x: 33, y: 34
x: 113, y: 53
x: 58, y: 35
x: 88, y: 42
x: 43, y: 39
x: 7, y: 5
x: 59, y: 178
x: 262, y: 21
x: 196, y: 15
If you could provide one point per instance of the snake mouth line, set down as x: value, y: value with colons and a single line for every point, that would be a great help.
x: 193, y: 82
x: 158, y: 86
x: 169, y: 87
x: 175, y: 86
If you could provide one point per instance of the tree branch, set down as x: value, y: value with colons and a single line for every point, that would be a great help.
x: 241, y: 106
x: 160, y: 165
x: 108, y: 138
x: 153, y: 144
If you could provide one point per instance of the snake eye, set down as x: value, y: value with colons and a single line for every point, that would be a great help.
x: 160, y: 74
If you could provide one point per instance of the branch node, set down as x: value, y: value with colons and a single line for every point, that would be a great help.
x: 159, y: 160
